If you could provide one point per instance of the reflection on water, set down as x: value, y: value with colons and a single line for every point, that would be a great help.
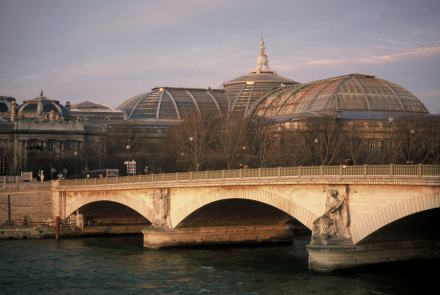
x: 116, y: 265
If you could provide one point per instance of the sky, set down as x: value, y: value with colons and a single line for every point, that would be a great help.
x: 108, y: 51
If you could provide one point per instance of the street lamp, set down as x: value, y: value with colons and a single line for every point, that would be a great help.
x: 127, y: 147
x: 244, y: 154
x: 391, y: 154
x: 75, y: 154
x: 315, y: 156
x: 411, y: 143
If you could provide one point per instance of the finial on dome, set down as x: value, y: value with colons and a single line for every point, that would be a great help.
x: 262, y: 61
x: 41, y: 92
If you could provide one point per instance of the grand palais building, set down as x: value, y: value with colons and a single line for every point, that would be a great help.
x: 41, y: 133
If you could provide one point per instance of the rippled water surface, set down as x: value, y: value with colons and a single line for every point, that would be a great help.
x: 119, y: 265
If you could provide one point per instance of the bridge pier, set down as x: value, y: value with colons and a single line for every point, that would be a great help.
x: 155, y: 238
x: 326, y: 258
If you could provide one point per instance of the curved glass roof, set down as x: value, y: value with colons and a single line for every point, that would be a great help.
x: 259, y: 77
x: 244, y: 91
x: 37, y: 107
x: 350, y: 93
x: 170, y: 103
x: 88, y: 105
x: 5, y: 106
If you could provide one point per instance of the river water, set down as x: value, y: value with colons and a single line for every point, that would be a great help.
x: 120, y: 265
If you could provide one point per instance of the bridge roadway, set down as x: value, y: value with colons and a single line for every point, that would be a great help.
x: 343, y: 207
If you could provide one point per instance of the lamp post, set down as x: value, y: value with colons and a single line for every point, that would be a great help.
x: 127, y: 147
x: 194, y: 152
x: 243, y: 148
x: 315, y: 147
x: 75, y: 155
x: 391, y: 119
x: 411, y: 143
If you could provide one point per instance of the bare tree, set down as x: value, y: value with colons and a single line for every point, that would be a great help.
x: 230, y: 144
x: 193, y: 140
x: 355, y: 144
x: 291, y: 148
x: 261, y: 141
x: 323, y: 137
x: 418, y: 140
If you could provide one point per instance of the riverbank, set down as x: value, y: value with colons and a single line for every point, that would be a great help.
x: 48, y: 232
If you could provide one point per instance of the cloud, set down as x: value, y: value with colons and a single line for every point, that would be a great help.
x: 433, y: 93
x: 28, y: 78
x: 421, y: 52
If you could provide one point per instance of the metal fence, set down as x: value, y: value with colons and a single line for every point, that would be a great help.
x: 309, y: 171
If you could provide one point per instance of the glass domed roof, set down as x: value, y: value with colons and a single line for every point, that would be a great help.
x: 41, y: 106
x: 169, y: 103
x: 244, y: 91
x: 350, y: 93
x: 5, y: 106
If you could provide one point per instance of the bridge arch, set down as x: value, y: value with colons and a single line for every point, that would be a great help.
x: 136, y: 204
x: 286, y: 205
x: 373, y: 222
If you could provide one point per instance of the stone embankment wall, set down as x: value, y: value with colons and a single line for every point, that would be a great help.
x: 32, y: 207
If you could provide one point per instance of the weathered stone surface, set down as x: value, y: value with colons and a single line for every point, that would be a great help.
x: 162, y: 238
x: 333, y: 227
x: 329, y: 258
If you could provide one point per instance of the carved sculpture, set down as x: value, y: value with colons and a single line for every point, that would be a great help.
x: 161, y: 208
x: 333, y: 225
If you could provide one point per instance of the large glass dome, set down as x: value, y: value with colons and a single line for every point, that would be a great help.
x: 168, y: 103
x: 350, y: 96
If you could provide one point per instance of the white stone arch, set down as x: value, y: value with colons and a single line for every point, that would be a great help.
x: 136, y: 204
x: 373, y: 222
x: 287, y: 205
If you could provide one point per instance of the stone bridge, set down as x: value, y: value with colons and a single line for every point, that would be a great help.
x: 344, y: 208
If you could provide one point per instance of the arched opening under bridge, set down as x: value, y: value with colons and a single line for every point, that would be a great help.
x: 108, y: 217
x: 240, y: 212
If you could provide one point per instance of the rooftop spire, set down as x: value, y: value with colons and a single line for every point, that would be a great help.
x: 262, y: 62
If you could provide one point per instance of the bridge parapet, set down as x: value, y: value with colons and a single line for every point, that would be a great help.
x: 345, y: 172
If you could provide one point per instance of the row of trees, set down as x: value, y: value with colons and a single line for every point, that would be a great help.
x: 202, y: 143
x: 211, y: 142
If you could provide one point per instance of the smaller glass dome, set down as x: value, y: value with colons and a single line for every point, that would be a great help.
x: 91, y: 111
x: 42, y: 107
x: 172, y: 103
x: 5, y: 106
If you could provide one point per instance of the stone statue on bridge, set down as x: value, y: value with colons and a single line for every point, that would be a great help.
x: 332, y: 226
x: 161, y: 204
